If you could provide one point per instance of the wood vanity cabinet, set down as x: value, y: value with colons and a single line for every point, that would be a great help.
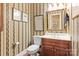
x: 1, y: 17
x: 54, y: 47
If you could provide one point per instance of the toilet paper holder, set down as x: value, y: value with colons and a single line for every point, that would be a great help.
x: 14, y: 44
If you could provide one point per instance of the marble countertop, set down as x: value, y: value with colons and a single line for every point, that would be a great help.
x: 58, y: 36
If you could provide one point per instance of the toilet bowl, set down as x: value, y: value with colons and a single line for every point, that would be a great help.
x: 34, y: 48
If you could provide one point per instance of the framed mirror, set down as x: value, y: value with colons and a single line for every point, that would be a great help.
x: 56, y: 20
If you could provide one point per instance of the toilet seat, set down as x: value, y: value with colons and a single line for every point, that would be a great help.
x: 33, y: 49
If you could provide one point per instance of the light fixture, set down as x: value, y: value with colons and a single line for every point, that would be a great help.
x: 55, y: 6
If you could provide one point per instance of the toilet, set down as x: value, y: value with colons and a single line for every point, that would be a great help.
x: 34, y: 48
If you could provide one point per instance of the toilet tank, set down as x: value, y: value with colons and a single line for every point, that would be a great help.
x: 37, y: 40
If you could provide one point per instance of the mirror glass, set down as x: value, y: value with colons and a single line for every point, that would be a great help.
x: 59, y: 16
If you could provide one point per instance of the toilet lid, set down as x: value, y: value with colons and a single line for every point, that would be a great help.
x: 33, y: 47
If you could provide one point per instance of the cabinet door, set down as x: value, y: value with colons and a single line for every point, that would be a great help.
x: 1, y: 16
x: 61, y: 51
x: 47, y: 50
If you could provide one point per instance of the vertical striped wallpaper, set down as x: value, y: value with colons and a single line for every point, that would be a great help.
x: 15, y: 31
x: 39, y: 9
x: 75, y: 36
x: 22, y: 32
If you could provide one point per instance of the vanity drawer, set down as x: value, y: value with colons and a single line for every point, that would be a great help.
x: 48, y: 40
x: 54, y: 42
x: 56, y: 45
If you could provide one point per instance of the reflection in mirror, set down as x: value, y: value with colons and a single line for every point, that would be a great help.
x: 59, y: 15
